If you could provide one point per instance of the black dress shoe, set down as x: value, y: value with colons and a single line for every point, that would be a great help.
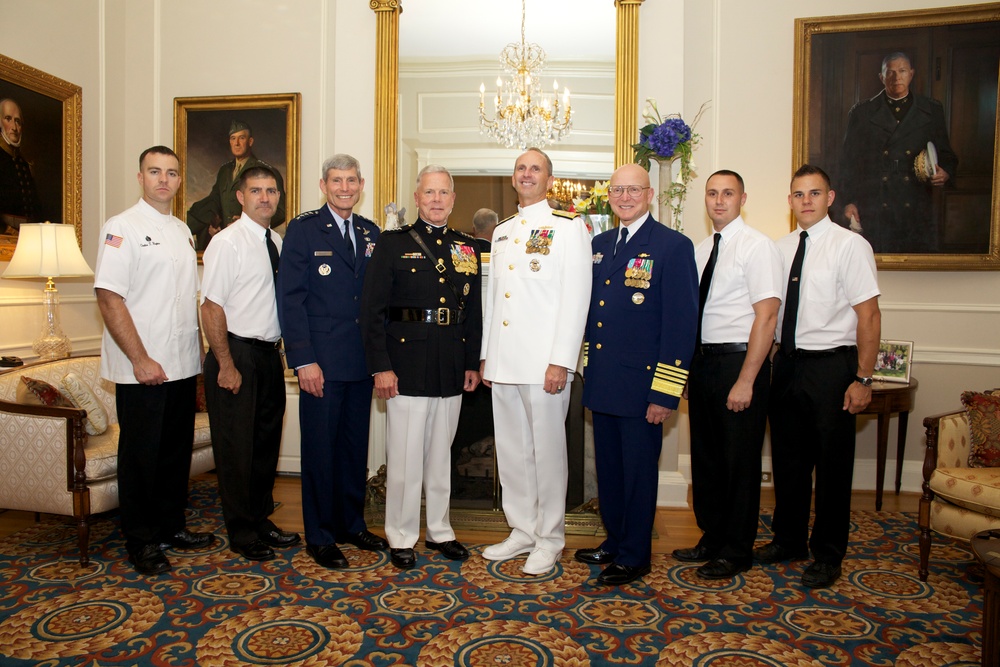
x: 695, y: 554
x: 368, y: 541
x: 820, y: 575
x: 619, y: 575
x: 596, y: 556
x: 255, y: 550
x: 722, y: 568
x: 452, y: 549
x: 327, y: 555
x: 776, y: 553
x: 404, y: 559
x: 280, y: 538
x: 185, y: 539
x: 149, y: 560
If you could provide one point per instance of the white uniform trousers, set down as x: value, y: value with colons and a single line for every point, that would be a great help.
x: 419, y: 433
x: 530, y: 430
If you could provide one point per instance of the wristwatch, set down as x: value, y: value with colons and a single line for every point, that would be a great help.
x: 865, y: 382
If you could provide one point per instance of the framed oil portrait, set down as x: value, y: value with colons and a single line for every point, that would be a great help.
x: 41, y: 172
x: 216, y: 139
x: 892, y: 364
x: 900, y: 109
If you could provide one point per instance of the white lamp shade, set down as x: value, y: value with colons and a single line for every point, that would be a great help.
x: 47, y: 250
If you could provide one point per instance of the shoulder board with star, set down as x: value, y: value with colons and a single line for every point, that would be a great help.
x: 305, y: 214
x: 398, y: 230
x: 569, y: 215
x: 509, y: 217
x: 465, y: 235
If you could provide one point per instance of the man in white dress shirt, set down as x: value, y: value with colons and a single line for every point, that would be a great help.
x: 147, y: 289
x: 829, y: 326
x: 244, y: 375
x: 535, y: 315
x: 740, y: 292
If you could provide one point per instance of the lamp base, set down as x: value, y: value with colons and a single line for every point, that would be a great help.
x: 52, y: 343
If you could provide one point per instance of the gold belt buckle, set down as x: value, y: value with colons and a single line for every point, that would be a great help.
x: 444, y: 316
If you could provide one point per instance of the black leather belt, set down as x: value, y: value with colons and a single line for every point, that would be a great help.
x: 256, y: 342
x: 440, y: 316
x: 722, y: 348
x: 821, y: 353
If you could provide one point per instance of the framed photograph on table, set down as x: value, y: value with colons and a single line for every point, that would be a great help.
x: 892, y: 364
x: 216, y: 139
x: 900, y: 109
x: 41, y: 155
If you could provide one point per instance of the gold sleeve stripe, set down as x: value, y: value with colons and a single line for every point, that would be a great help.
x: 664, y: 371
x: 669, y: 388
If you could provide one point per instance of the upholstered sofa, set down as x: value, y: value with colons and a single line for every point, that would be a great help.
x: 958, y: 500
x: 49, y: 464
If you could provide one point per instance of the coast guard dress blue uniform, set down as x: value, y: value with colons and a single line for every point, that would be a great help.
x: 319, y: 301
x: 640, y: 340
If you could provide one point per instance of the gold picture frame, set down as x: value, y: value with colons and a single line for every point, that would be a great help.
x: 201, y: 132
x: 954, y: 54
x: 52, y: 111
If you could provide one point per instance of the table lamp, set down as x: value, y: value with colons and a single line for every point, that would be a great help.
x: 47, y: 250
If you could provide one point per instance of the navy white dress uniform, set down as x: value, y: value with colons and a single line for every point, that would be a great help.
x: 640, y: 338
x: 726, y: 444
x: 421, y: 317
x: 535, y: 315
x: 319, y: 306
x: 246, y: 426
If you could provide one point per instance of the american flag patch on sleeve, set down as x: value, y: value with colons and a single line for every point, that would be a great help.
x: 113, y: 241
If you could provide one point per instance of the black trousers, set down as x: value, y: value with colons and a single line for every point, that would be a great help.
x: 154, y: 458
x: 246, y: 437
x: 725, y: 454
x: 810, y: 431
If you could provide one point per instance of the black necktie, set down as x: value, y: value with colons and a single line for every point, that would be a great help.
x: 621, y: 241
x: 347, y: 241
x: 272, y: 252
x: 792, y: 297
x: 706, y: 282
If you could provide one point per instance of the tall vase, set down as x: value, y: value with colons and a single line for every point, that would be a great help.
x: 666, y: 180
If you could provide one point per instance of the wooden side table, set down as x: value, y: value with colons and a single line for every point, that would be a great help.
x: 986, y: 549
x: 889, y: 398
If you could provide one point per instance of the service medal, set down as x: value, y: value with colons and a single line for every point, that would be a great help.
x: 535, y: 265
x: 539, y: 241
x: 369, y: 247
x: 463, y: 257
x: 324, y: 269
x: 638, y: 298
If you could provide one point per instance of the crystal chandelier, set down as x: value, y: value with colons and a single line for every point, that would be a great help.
x: 523, y: 116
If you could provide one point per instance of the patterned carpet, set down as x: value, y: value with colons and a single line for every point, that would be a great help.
x: 215, y: 609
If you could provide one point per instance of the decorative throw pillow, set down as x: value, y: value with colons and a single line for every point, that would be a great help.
x: 83, y: 397
x: 983, y: 411
x: 40, y: 393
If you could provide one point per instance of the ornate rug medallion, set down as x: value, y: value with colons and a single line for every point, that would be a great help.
x: 509, y: 643
x: 79, y: 623
x: 279, y: 636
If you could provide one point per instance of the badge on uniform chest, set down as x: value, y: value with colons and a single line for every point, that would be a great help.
x: 598, y: 257
x: 369, y: 248
x: 638, y: 271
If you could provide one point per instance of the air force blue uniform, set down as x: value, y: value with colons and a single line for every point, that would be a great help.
x: 319, y: 300
x: 640, y: 340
